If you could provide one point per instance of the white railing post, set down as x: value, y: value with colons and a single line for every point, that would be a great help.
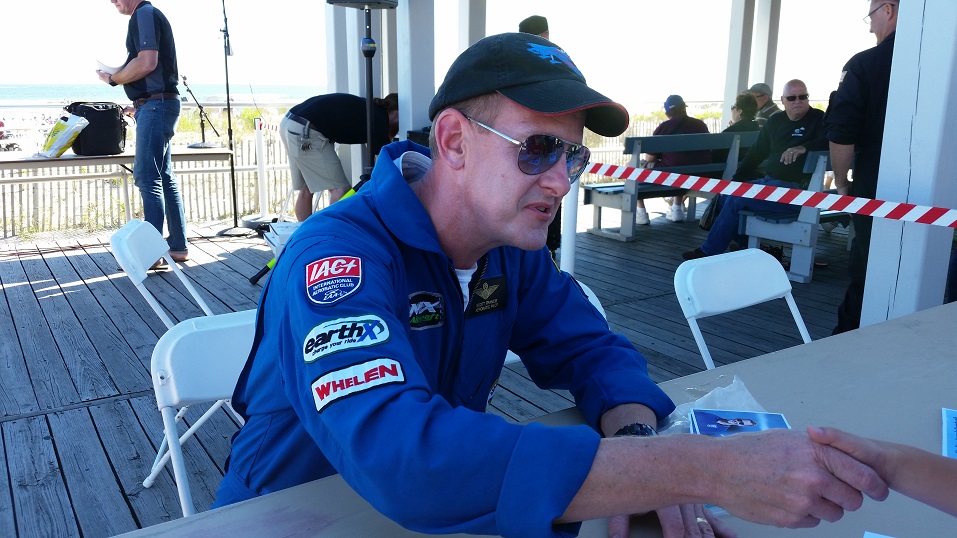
x: 261, y: 168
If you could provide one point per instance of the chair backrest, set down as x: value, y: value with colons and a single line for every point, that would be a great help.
x: 707, y: 286
x: 200, y: 359
x: 136, y: 247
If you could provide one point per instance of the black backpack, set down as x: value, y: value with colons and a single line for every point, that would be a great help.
x: 106, y: 133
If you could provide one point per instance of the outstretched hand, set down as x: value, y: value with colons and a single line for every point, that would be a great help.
x: 780, y: 477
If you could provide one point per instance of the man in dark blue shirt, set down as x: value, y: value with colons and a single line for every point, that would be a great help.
x: 855, y: 130
x: 149, y: 77
x: 784, y: 142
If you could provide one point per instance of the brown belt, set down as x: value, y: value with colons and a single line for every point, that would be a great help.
x: 142, y: 101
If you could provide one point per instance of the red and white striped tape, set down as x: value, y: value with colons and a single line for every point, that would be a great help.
x: 936, y: 216
x: 263, y: 126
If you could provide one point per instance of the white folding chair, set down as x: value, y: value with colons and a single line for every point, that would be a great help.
x: 136, y: 246
x: 511, y: 357
x: 198, y: 360
x: 709, y: 286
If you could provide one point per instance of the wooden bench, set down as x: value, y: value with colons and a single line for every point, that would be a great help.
x: 624, y: 196
x: 799, y: 228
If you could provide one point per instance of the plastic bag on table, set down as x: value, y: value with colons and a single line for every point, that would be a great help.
x: 62, y: 135
x: 735, y: 396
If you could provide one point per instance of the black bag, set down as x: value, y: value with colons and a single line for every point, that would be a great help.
x: 710, y: 213
x: 106, y: 133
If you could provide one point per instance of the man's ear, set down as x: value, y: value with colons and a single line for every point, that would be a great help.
x: 450, y: 133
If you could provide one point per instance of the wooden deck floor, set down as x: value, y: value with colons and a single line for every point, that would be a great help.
x: 77, y: 415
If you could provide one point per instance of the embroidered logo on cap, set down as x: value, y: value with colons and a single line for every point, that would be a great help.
x: 553, y: 55
x: 332, y: 279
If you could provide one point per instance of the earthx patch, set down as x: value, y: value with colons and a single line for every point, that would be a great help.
x: 342, y: 334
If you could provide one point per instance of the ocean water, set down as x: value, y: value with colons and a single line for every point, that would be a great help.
x: 43, y: 95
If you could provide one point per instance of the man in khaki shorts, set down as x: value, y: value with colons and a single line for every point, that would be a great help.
x: 311, y: 130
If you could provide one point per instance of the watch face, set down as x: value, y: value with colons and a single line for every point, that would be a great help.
x: 637, y: 429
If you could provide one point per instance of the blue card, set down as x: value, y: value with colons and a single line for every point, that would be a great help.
x: 950, y: 433
x: 722, y: 422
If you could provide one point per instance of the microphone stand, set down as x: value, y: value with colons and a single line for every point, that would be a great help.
x: 202, y: 123
x: 227, y: 51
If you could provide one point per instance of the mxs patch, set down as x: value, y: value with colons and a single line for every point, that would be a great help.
x: 332, y: 279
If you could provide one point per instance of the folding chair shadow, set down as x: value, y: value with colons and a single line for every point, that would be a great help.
x: 731, y: 281
x: 198, y: 360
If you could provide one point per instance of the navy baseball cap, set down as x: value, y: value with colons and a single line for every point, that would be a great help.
x: 673, y: 101
x: 532, y: 72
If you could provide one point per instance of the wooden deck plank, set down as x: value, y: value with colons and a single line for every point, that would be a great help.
x: 8, y: 524
x: 123, y: 366
x: 16, y: 390
x: 131, y: 454
x: 40, y: 499
x: 94, y: 492
x: 86, y: 368
x: 49, y: 378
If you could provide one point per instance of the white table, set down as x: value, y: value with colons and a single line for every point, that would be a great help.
x: 888, y: 381
x: 20, y: 160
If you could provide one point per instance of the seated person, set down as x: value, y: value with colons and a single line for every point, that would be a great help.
x: 382, y: 332
x: 678, y: 122
x: 784, y: 142
x: 742, y: 120
x: 921, y: 475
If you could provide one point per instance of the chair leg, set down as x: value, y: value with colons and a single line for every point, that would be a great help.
x: 702, y: 347
x: 179, y: 466
x: 163, y: 455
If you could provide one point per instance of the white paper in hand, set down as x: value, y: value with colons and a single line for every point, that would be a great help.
x: 100, y: 66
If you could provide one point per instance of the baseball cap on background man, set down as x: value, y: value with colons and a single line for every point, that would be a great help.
x: 761, y: 88
x: 532, y: 72
x: 672, y: 101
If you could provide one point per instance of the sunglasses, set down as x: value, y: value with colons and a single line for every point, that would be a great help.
x: 539, y: 153
x: 793, y: 98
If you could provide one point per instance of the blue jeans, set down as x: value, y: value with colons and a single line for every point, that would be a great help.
x: 725, y: 226
x: 153, y: 169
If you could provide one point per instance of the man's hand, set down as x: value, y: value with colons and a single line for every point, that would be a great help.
x: 103, y: 75
x: 780, y: 477
x: 791, y: 154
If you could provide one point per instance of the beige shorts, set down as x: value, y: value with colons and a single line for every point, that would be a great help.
x: 317, y: 166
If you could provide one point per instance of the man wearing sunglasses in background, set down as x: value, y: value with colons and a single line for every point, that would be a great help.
x: 385, y: 323
x: 784, y: 141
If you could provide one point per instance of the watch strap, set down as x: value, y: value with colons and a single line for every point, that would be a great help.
x: 637, y: 429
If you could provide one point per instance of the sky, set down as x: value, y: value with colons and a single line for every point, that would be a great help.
x: 635, y: 51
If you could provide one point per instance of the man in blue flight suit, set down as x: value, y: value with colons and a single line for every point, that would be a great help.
x: 383, y: 329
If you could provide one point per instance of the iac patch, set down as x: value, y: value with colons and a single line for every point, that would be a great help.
x: 342, y: 334
x: 355, y: 379
x: 332, y: 279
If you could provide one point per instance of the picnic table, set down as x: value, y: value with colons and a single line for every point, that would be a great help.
x: 844, y: 381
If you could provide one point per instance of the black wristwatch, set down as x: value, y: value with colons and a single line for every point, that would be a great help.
x: 111, y: 81
x: 638, y: 429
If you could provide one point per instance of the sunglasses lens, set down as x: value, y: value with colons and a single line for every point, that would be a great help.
x: 541, y: 152
x: 538, y: 154
x: 792, y: 98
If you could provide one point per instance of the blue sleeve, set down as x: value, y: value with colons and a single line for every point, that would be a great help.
x: 147, y: 33
x: 566, y: 344
x: 372, y: 411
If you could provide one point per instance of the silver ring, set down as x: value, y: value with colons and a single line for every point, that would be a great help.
x: 701, y: 520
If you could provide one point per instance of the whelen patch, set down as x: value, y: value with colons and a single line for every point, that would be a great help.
x: 355, y: 379
x: 331, y: 280
x: 426, y: 310
x: 344, y: 333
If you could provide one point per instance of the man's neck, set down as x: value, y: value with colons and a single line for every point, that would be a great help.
x: 452, y: 227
